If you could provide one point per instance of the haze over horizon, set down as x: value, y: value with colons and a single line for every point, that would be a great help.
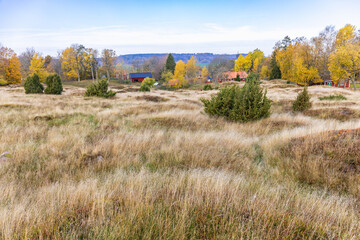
x: 158, y: 26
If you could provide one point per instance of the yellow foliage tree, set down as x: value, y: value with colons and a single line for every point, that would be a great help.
x: 37, y: 66
x: 191, y: 69
x: 344, y: 35
x: 296, y: 63
x: 204, y: 73
x: 9, y: 67
x: 180, y: 74
x: 345, y: 63
x: 243, y: 63
x: 13, y: 74
x: 69, y: 64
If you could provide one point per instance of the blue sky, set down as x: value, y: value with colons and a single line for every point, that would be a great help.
x: 158, y: 26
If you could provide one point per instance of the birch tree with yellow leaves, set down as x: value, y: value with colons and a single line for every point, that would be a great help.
x: 345, y: 60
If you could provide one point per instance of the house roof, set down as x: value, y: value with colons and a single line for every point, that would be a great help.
x: 141, y: 75
x: 232, y: 75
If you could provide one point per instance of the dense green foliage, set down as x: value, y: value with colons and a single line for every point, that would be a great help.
x: 170, y: 63
x: 238, y: 79
x: 207, y: 87
x: 53, y: 84
x: 253, y: 77
x: 337, y: 97
x: 33, y: 85
x: 239, y: 104
x: 302, y: 102
x: 99, y: 89
x: 275, y: 72
x: 147, y: 84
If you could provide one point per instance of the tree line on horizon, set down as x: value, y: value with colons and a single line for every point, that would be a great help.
x: 330, y: 55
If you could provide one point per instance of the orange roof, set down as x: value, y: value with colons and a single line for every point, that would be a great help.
x: 232, y: 75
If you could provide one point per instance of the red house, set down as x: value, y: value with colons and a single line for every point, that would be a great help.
x: 340, y: 84
x: 139, y: 77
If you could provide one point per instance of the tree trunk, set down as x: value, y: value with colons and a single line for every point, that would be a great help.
x: 78, y: 76
x: 354, y: 82
x: 108, y: 75
x: 97, y: 75
x: 92, y: 73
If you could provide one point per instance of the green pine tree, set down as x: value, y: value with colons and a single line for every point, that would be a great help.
x: 239, y: 104
x: 53, y: 84
x: 275, y: 72
x: 302, y: 102
x: 170, y: 64
x: 33, y: 85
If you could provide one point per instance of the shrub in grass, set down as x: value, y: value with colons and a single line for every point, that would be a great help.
x: 147, y: 84
x: 239, y: 104
x: 53, y: 84
x: 302, y: 102
x: 207, y: 87
x: 337, y: 97
x: 253, y: 77
x: 33, y: 85
x: 99, y: 89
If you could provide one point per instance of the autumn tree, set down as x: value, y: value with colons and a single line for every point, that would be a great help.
x: 344, y: 62
x: 108, y: 58
x: 324, y: 45
x: 9, y: 67
x: 180, y: 74
x: 243, y: 63
x: 296, y: 63
x: 91, y: 62
x: 204, y: 73
x: 170, y: 64
x: 191, y: 69
x: 25, y: 59
x: 13, y: 74
x: 37, y: 66
x: 69, y: 64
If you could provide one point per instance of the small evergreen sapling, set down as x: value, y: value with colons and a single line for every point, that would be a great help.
x: 53, y: 84
x: 302, y: 102
x: 99, y: 89
x: 33, y: 85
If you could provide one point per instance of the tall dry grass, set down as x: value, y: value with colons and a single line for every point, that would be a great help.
x: 153, y: 166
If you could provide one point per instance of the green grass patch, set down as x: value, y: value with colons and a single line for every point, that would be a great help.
x: 337, y: 97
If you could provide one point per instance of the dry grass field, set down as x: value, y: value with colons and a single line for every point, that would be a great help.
x: 154, y: 166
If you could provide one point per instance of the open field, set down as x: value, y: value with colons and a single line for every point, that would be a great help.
x: 154, y: 166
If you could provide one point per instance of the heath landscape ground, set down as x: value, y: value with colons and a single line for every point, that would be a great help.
x: 154, y: 166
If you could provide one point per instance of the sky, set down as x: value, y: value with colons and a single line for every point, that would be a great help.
x: 157, y: 26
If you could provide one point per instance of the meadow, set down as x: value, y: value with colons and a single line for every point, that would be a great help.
x: 154, y: 166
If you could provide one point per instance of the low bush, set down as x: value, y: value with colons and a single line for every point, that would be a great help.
x: 337, y: 97
x: 207, y: 87
x: 147, y: 84
x: 302, y: 102
x: 253, y: 77
x: 53, y: 84
x: 99, y: 89
x: 33, y: 85
x: 239, y: 104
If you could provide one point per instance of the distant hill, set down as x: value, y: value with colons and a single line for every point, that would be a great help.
x: 202, y: 58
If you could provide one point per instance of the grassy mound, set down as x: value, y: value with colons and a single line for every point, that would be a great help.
x: 330, y: 160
